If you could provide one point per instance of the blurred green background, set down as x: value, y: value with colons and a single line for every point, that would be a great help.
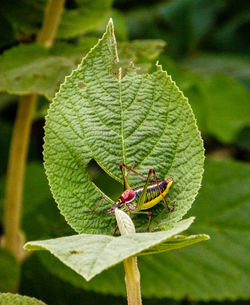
x: 204, y: 45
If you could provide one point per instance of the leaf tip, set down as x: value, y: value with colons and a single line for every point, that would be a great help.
x: 206, y: 237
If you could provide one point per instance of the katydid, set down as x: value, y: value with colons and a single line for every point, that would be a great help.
x: 137, y: 200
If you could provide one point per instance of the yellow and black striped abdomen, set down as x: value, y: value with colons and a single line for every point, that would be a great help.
x: 153, y: 195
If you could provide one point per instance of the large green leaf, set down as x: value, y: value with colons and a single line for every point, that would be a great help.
x: 97, y: 116
x: 16, y: 299
x: 90, y: 254
x: 10, y: 271
x: 32, y: 68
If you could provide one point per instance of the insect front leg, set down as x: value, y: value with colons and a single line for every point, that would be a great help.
x: 99, y: 202
x: 116, y: 229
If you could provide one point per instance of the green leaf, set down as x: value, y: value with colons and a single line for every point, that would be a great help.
x: 16, y: 299
x: 97, y: 116
x: 30, y: 68
x: 218, y: 269
x: 230, y: 64
x: 10, y: 271
x: 82, y: 252
x: 220, y: 103
x: 229, y: 106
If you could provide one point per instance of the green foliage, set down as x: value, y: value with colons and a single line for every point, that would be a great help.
x: 209, y: 41
x: 237, y: 67
x: 81, y: 17
x: 97, y: 116
x: 219, y: 268
x: 220, y: 103
x: 85, y: 17
x: 183, y: 23
x: 101, y: 283
x: 31, y: 68
x: 40, y: 218
x: 228, y: 108
x: 89, y: 255
x: 15, y: 299
x: 10, y: 272
x: 215, y: 270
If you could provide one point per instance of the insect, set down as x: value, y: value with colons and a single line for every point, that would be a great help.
x: 138, y: 200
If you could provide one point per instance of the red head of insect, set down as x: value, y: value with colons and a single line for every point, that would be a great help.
x: 126, y: 196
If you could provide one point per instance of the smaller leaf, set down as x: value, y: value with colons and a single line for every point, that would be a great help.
x: 16, y: 299
x: 90, y: 254
x: 124, y: 222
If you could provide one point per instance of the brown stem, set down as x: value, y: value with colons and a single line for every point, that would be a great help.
x: 51, y: 21
x: 12, y: 239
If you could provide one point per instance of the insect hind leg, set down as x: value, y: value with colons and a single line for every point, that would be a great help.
x: 131, y: 169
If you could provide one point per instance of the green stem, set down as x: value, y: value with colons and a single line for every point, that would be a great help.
x: 132, y: 280
x: 132, y: 274
x: 12, y: 239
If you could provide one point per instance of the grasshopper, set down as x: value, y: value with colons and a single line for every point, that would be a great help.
x: 138, y: 200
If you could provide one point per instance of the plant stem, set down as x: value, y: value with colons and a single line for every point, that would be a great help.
x: 132, y: 274
x: 16, y: 165
x: 132, y: 280
x: 12, y: 239
x: 51, y: 21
